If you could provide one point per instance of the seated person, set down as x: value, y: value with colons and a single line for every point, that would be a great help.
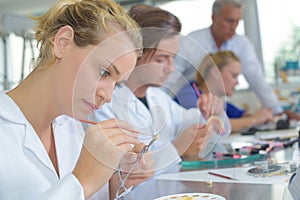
x: 218, y: 74
x: 221, y: 35
x: 141, y: 102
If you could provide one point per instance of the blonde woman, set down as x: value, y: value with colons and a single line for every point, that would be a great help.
x: 218, y: 74
x: 86, y: 48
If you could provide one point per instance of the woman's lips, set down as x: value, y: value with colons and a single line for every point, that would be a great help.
x: 91, y: 106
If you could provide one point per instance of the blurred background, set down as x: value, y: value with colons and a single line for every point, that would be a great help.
x: 273, y: 26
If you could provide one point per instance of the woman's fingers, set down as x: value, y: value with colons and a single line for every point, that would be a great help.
x: 119, y: 133
x: 145, y: 166
x: 132, y: 155
x: 210, y: 105
x: 204, y: 105
x: 116, y: 123
x: 136, y: 179
x: 121, y: 144
x: 138, y: 147
x: 107, y: 141
x: 118, y: 137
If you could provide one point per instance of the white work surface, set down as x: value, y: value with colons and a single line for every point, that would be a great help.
x: 239, y: 173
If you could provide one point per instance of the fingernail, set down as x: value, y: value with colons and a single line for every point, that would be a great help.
x: 132, y: 158
x: 200, y: 126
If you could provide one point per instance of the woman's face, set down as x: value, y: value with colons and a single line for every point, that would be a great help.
x: 230, y: 73
x: 108, y: 64
x: 155, y: 70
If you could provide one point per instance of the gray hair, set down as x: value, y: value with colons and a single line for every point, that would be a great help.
x: 219, y: 4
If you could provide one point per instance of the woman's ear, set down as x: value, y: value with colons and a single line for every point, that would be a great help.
x: 62, y: 40
x: 214, y: 72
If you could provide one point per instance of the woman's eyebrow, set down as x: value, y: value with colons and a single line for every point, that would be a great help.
x: 114, y: 67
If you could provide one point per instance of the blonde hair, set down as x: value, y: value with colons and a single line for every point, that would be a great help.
x: 90, y: 20
x: 219, y: 59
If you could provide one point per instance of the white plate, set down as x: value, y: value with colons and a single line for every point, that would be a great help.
x: 193, y: 196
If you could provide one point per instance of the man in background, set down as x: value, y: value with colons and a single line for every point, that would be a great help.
x: 221, y: 35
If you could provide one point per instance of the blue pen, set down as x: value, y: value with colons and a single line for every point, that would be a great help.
x: 196, y: 89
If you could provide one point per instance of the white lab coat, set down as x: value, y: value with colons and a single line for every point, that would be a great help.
x: 199, y: 43
x: 26, y: 171
x: 164, y: 117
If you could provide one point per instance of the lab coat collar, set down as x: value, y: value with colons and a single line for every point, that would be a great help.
x: 125, y: 97
x: 124, y: 93
x: 62, y: 119
x: 12, y: 113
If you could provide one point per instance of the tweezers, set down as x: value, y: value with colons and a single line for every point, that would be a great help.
x: 145, y: 149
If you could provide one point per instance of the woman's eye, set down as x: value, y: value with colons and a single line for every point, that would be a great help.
x: 104, y: 72
x: 159, y: 60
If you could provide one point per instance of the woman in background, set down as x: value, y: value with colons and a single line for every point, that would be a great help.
x: 141, y: 102
x: 218, y: 74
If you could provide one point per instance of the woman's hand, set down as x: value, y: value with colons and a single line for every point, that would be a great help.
x: 104, y: 146
x: 190, y: 141
x: 210, y: 105
x: 262, y: 116
x: 142, y: 171
x: 144, y: 168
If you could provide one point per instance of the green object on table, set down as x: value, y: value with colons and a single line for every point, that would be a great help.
x: 220, y: 163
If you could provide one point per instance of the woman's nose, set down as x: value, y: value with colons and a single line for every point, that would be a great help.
x: 170, y: 67
x: 105, y: 91
x: 107, y: 96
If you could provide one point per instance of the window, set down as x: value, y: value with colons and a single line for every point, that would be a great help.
x: 196, y: 9
x: 201, y: 11
x: 280, y: 32
x: 280, y: 37
x: 19, y: 60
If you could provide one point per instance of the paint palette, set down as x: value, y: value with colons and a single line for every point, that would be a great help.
x: 192, y: 196
x: 269, y: 170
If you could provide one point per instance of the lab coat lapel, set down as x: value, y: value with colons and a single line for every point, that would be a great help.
x: 69, y: 136
x: 33, y: 147
x: 135, y: 108
x: 142, y: 111
x: 158, y: 114
x: 35, y: 151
